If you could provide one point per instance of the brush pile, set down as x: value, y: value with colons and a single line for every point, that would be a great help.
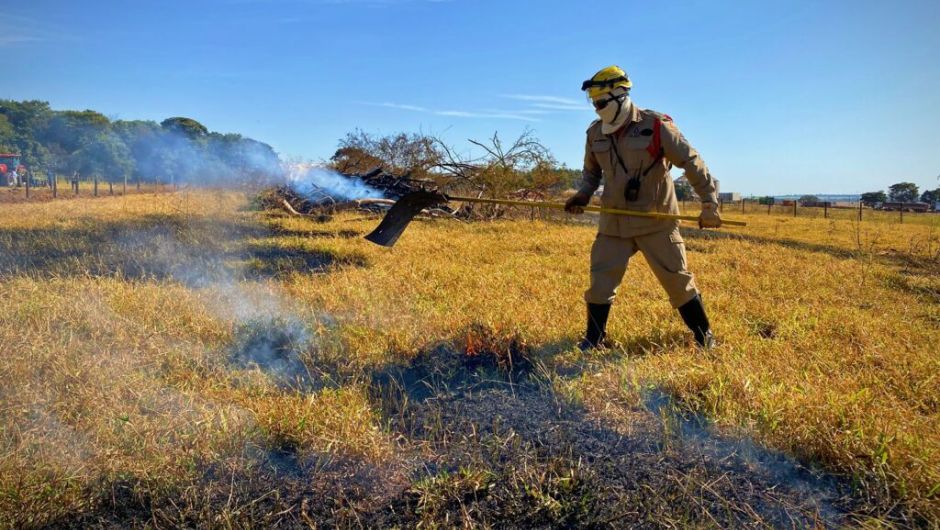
x: 393, y: 186
x: 321, y: 202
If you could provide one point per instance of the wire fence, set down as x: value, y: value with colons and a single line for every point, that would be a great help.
x: 39, y: 187
x: 850, y: 212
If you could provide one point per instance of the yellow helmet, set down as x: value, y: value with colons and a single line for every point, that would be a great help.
x: 606, y: 80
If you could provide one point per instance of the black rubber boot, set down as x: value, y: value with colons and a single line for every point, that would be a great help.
x: 693, y: 313
x: 596, y: 324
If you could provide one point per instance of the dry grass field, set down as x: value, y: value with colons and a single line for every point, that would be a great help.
x: 180, y: 360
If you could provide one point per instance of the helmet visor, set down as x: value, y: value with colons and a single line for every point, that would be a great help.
x: 590, y: 83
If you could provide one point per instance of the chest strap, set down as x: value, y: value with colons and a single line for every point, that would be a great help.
x: 655, y: 148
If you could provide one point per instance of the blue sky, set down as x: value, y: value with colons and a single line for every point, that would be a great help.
x: 779, y: 97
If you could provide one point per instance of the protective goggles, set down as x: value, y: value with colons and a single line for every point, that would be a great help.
x: 590, y: 83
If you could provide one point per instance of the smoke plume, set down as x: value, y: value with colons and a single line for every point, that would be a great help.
x: 316, y: 181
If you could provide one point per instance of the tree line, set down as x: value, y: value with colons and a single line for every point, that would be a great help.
x: 177, y: 149
x: 901, y: 192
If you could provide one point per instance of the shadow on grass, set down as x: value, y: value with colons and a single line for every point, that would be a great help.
x: 197, y: 253
x: 899, y: 259
x: 923, y: 285
x: 500, y: 446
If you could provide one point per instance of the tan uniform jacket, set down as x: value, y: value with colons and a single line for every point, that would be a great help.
x: 656, y: 193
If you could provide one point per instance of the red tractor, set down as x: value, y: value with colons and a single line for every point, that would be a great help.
x: 12, y: 172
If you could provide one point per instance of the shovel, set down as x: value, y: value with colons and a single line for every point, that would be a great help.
x: 401, y: 214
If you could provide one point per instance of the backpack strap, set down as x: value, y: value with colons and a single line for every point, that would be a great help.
x: 655, y: 148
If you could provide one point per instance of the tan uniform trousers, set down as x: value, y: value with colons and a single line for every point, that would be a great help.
x: 665, y: 253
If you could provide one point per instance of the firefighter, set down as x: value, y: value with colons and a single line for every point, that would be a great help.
x: 632, y: 150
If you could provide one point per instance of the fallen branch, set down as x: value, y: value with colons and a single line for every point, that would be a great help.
x: 363, y: 202
x: 290, y: 208
x: 341, y: 206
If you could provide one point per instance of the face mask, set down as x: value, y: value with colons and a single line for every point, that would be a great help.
x: 614, y: 110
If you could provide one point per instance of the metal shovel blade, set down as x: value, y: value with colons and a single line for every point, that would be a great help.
x: 400, y: 215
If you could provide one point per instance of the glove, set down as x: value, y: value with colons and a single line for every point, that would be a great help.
x: 577, y: 202
x: 710, y: 217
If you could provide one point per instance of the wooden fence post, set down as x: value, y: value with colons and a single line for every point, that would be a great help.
x: 124, y: 190
x: 55, y: 186
x: 859, y: 210
x: 826, y: 210
x: 29, y: 176
x: 794, y: 208
x: 95, y: 178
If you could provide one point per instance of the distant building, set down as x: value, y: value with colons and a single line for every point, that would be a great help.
x: 729, y: 196
x: 905, y: 206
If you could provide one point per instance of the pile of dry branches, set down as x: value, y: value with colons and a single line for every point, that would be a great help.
x: 320, y: 203
x: 399, y: 164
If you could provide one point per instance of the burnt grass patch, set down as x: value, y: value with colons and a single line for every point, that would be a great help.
x: 285, y: 351
x: 492, y: 444
x: 261, y: 485
x: 275, y: 348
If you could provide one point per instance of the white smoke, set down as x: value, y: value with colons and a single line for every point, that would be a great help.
x: 316, y: 182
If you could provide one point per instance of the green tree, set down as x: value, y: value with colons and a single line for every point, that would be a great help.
x: 184, y: 151
x: 6, y: 134
x: 28, y: 118
x: 73, y: 130
x: 141, y: 138
x: 569, y: 177
x: 872, y: 198
x: 251, y: 160
x: 930, y: 196
x: 684, y: 191
x: 809, y: 199
x: 27, y: 122
x: 89, y: 142
x: 903, y: 192
x: 189, y: 127
x: 105, y: 155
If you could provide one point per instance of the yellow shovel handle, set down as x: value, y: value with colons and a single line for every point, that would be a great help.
x: 560, y: 206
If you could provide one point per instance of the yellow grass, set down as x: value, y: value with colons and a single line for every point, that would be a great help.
x: 828, y: 332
